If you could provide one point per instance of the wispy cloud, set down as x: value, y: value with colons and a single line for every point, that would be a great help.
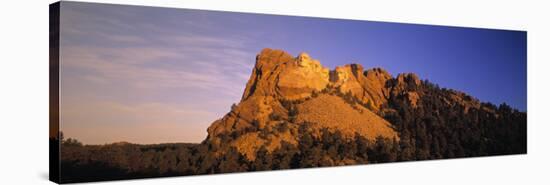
x: 121, y: 71
x: 149, y: 67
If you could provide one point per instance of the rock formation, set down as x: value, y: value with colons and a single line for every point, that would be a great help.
x: 278, y: 74
x: 295, y: 113
x: 288, y: 92
x: 281, y: 84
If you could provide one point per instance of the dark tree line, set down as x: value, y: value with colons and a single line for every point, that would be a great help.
x: 125, y: 161
x: 436, y: 129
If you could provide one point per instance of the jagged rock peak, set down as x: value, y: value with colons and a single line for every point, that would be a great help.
x: 377, y: 72
x: 272, y: 55
x: 408, y: 78
x: 279, y: 80
x: 278, y: 74
x: 259, y: 81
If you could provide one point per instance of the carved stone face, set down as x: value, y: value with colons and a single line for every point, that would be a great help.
x: 341, y: 75
x: 308, y: 65
x: 304, y: 60
x: 300, y: 78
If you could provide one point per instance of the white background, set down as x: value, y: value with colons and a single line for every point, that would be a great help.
x: 24, y: 91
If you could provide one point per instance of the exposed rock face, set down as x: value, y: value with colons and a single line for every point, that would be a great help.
x: 462, y: 99
x: 264, y: 76
x: 295, y: 113
x: 348, y: 78
x: 286, y: 91
x: 376, y: 85
x: 367, y: 86
x: 404, y: 82
x: 299, y: 78
x: 405, y: 86
x: 278, y: 74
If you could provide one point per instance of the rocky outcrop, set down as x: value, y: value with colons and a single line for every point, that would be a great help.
x: 295, y: 113
x: 286, y: 91
x: 264, y: 74
x: 349, y: 79
x: 405, y: 86
x: 278, y: 74
x: 376, y: 85
x: 299, y: 78
x: 405, y: 82
x: 367, y: 86
x: 463, y: 100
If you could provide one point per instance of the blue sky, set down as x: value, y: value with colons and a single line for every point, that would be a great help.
x: 151, y: 75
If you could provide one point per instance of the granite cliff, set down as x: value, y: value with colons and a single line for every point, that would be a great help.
x: 288, y: 92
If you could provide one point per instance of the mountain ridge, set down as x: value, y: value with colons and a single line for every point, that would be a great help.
x: 278, y: 79
x: 296, y: 113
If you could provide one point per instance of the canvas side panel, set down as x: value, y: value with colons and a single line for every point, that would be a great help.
x: 54, y: 136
